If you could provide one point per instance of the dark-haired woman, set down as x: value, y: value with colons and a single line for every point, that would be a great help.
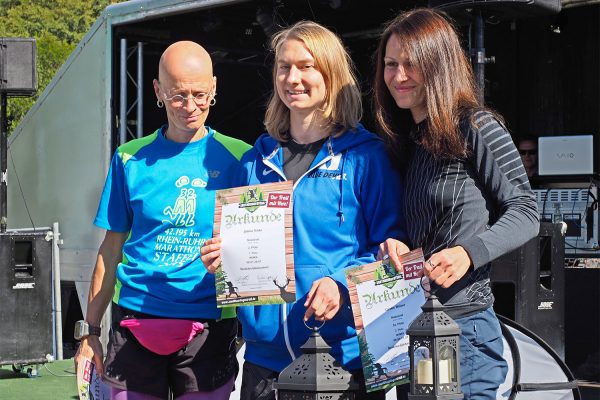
x: 467, y: 198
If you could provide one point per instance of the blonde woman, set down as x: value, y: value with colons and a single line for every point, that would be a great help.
x: 344, y: 190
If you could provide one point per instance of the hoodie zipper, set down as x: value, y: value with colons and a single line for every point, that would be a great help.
x: 286, y: 336
x: 267, y: 162
x: 323, y: 161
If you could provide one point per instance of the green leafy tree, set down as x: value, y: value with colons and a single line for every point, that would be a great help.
x: 220, y: 278
x: 57, y: 26
x: 366, y: 357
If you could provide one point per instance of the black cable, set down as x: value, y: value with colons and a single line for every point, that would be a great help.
x: 594, y: 205
x: 581, y: 248
x: 21, y: 188
x: 591, y: 194
x: 311, y: 10
x: 544, y: 203
x: 579, y: 225
x: 278, y: 17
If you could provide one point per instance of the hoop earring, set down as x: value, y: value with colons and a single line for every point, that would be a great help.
x: 159, y: 103
x: 213, y: 101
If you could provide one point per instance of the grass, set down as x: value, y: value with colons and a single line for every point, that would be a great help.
x: 54, y: 381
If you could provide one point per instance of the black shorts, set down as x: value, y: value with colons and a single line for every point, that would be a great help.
x: 206, y: 363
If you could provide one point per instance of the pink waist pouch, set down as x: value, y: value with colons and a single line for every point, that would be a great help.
x: 163, y: 336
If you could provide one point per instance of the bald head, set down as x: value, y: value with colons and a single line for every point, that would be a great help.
x: 184, y: 59
x: 185, y: 71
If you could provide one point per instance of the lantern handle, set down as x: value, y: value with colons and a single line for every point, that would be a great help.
x: 431, y: 291
x: 313, y: 328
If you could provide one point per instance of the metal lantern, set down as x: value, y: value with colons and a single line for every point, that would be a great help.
x: 315, y: 375
x: 434, y: 354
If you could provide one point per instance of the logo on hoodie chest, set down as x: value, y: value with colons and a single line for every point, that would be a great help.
x: 330, y: 169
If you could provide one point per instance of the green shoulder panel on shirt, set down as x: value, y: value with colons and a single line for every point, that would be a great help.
x: 118, y: 283
x: 128, y: 150
x: 124, y: 260
x: 235, y: 146
x: 117, y: 293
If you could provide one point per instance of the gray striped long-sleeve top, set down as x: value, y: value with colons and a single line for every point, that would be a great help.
x: 483, y: 203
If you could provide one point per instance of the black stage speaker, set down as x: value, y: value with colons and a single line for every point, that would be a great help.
x: 529, y: 286
x: 582, y: 323
x: 17, y: 66
x: 500, y: 9
x: 25, y: 298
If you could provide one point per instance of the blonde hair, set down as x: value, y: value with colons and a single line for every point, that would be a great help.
x: 342, y: 107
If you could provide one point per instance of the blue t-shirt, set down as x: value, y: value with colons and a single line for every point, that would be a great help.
x: 162, y: 193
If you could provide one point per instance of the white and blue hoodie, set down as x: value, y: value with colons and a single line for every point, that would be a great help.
x: 345, y: 205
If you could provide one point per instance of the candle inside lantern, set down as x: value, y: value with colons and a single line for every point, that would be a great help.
x: 425, y: 371
x: 444, y: 368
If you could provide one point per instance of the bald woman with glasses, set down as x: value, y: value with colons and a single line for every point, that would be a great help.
x: 157, y: 208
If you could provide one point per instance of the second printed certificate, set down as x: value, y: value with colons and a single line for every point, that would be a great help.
x: 257, y: 252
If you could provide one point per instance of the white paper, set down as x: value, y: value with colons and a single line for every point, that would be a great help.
x: 387, y: 313
x: 253, y: 247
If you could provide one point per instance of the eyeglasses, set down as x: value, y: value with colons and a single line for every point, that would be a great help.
x: 179, y: 101
x: 528, y: 152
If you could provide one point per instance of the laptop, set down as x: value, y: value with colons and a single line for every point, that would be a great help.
x: 566, y: 155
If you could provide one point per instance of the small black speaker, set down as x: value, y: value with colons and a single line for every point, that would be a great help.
x: 500, y: 9
x: 26, y: 330
x: 18, y: 66
x: 529, y: 285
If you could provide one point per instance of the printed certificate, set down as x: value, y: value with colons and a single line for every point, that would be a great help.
x: 89, y: 385
x: 384, y: 304
x: 257, y: 252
